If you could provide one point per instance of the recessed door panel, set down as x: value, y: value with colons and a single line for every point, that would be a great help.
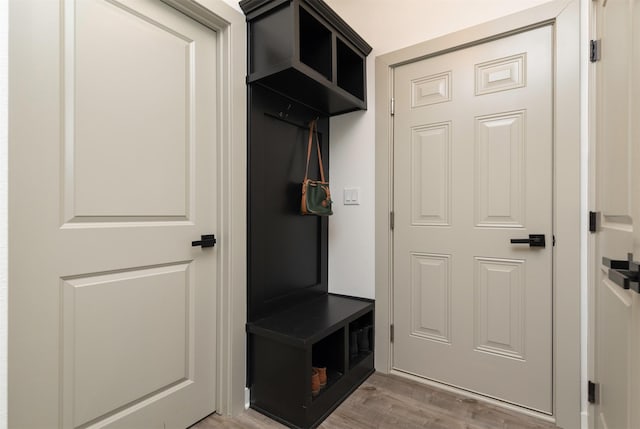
x: 501, y: 74
x: 431, y: 89
x: 500, y: 151
x: 499, y: 307
x: 131, y: 133
x: 431, y: 297
x: 431, y: 175
x: 108, y: 316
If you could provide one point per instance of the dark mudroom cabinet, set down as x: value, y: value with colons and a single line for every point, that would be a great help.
x: 304, y: 50
x: 305, y: 63
x: 286, y: 345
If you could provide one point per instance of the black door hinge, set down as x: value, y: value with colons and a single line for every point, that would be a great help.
x: 391, y: 333
x: 593, y: 221
x: 592, y: 392
x: 595, y: 50
x: 392, y: 220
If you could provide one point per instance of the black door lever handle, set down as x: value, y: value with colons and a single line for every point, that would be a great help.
x: 534, y: 240
x: 205, y: 241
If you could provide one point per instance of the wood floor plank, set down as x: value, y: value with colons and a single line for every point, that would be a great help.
x: 392, y: 402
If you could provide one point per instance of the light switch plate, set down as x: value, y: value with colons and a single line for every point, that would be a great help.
x: 351, y: 196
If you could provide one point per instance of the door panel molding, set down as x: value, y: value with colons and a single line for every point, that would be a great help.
x: 431, y: 297
x: 88, y: 359
x: 497, y: 331
x: 501, y: 74
x: 564, y: 15
x: 504, y: 209
x: 431, y: 175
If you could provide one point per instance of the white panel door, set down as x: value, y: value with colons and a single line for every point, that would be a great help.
x: 617, y: 311
x: 112, y: 309
x: 473, y: 170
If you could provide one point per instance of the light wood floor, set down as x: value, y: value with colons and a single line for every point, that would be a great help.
x: 387, y: 401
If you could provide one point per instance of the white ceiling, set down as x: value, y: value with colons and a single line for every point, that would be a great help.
x: 388, y: 25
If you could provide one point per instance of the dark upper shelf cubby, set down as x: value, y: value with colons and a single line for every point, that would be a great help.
x: 315, y: 44
x: 305, y: 51
x: 350, y: 69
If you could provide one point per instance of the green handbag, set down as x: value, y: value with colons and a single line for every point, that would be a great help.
x: 316, y: 196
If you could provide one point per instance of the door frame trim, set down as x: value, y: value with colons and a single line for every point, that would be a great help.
x: 230, y: 26
x: 564, y: 15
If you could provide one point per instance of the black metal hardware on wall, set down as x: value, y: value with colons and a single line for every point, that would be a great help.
x: 284, y: 118
x: 593, y: 221
x: 595, y: 50
x: 592, y: 392
x: 534, y: 240
x: 625, y: 274
x: 205, y: 241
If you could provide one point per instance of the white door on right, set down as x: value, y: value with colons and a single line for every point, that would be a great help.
x: 473, y: 169
x: 617, y: 120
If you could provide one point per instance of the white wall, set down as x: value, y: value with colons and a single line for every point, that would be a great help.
x: 234, y: 4
x: 387, y: 26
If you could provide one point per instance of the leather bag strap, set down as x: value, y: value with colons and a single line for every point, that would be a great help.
x: 306, y: 170
x: 313, y: 130
x: 319, y: 155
